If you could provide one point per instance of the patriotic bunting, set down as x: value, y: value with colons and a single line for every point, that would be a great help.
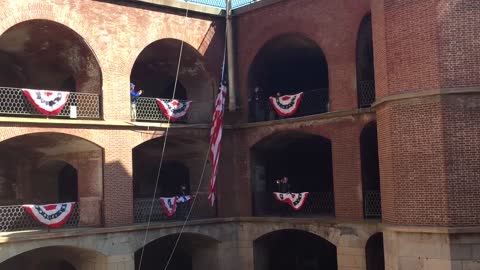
x: 169, y: 205
x: 295, y: 200
x: 47, y: 102
x: 174, y: 109
x: 183, y: 198
x: 51, y: 215
x: 286, y: 105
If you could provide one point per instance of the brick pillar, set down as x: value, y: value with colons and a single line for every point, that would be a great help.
x: 90, y: 189
x: 118, y: 186
x: 347, y: 180
x: 428, y: 115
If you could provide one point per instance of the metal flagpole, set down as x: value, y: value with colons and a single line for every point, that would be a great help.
x: 232, y: 104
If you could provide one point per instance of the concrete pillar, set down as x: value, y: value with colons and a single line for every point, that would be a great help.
x: 236, y: 255
x: 434, y: 249
x: 120, y: 262
x: 351, y: 258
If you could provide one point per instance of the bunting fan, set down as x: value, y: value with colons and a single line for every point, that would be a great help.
x: 51, y: 215
x: 174, y: 109
x: 286, y: 105
x: 47, y: 102
x: 169, y: 205
x: 183, y: 198
x: 295, y: 200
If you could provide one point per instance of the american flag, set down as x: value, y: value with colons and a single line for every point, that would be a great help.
x: 216, y: 132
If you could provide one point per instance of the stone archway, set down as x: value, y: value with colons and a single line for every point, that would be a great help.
x: 306, y: 160
x: 56, y: 258
x: 48, y: 167
x: 46, y: 55
x: 155, y: 70
x: 294, y: 249
x: 192, y: 252
x: 288, y: 64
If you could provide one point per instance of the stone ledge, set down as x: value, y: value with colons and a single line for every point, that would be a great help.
x: 431, y: 229
x: 20, y: 236
x: 427, y: 93
x: 98, y: 123
x: 321, y: 116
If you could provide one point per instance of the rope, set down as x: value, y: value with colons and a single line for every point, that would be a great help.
x: 163, y: 151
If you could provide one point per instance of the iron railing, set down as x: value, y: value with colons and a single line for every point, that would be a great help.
x: 366, y: 93
x: 372, y: 204
x: 14, y: 102
x: 313, y: 102
x: 201, y: 209
x: 148, y: 110
x: 221, y: 3
x: 15, y: 218
x: 317, y: 204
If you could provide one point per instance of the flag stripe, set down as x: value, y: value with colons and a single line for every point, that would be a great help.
x: 216, y: 134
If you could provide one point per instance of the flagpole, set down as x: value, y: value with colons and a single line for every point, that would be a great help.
x: 232, y: 104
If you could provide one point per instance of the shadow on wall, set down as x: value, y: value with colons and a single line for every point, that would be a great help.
x: 118, y: 190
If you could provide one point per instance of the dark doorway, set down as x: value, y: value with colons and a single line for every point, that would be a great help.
x: 374, y: 252
x: 293, y: 249
x: 365, y: 64
x: 370, y: 171
x: 67, y: 184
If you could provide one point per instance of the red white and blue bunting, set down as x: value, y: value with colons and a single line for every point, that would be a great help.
x: 183, y: 198
x: 286, y: 105
x: 51, y: 215
x: 47, y: 102
x: 174, y: 109
x: 295, y: 200
x: 169, y: 205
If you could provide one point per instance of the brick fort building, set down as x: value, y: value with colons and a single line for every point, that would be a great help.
x: 385, y: 138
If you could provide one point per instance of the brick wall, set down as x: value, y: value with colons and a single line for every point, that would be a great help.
x: 333, y: 25
x: 427, y: 144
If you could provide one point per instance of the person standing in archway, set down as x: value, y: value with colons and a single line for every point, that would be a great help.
x: 259, y: 104
x: 133, y: 99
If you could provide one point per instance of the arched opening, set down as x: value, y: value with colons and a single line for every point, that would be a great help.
x: 179, y: 175
x: 306, y: 160
x: 192, y: 252
x: 55, y: 258
x: 58, y: 182
x: 46, y: 55
x: 155, y: 71
x: 374, y: 252
x: 288, y: 64
x: 365, y: 65
x: 370, y: 171
x: 46, y: 168
x: 293, y: 249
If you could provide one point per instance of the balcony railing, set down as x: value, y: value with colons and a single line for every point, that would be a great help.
x: 317, y: 204
x: 221, y: 3
x: 15, y: 218
x: 372, y: 204
x: 313, y: 102
x: 14, y: 102
x: 366, y: 93
x: 148, y: 110
x: 201, y: 210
